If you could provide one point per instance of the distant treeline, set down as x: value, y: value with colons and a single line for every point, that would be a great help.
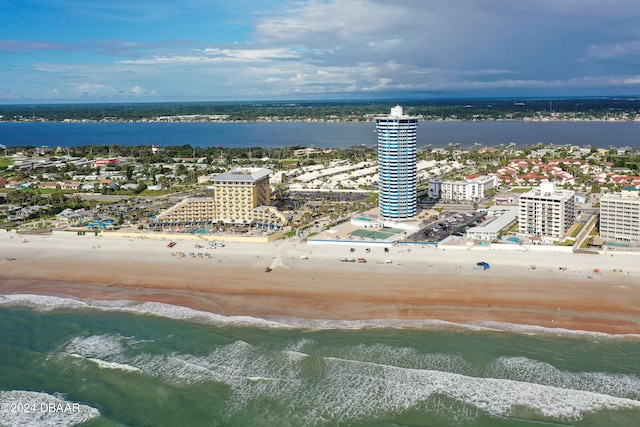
x: 167, y: 154
x: 463, y: 109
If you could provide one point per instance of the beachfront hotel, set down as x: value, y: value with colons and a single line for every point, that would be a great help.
x: 546, y: 212
x: 397, y: 165
x: 237, y: 192
x: 240, y: 196
x: 620, y: 216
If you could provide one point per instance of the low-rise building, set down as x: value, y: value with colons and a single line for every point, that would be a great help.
x: 502, y: 218
x: 470, y: 189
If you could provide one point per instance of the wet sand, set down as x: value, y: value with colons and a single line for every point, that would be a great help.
x: 423, y: 283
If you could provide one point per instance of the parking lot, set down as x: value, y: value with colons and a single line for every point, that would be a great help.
x: 446, y: 224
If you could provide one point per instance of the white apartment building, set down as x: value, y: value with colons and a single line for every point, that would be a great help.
x: 620, y: 216
x: 546, y: 212
x: 473, y: 189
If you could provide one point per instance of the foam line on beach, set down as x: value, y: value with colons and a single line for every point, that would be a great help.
x: 364, y: 381
x: 21, y: 408
x: 539, y: 330
x: 49, y: 303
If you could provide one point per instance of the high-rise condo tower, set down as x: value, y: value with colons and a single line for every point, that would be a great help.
x: 397, y: 164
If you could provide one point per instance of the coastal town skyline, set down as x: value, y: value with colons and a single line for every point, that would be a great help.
x: 253, y: 281
x: 161, y: 51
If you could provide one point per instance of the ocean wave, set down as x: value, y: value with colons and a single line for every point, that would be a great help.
x: 362, y: 381
x: 107, y: 365
x: 49, y: 303
x: 96, y: 346
x: 404, y: 357
x: 532, y: 371
x: 374, y: 384
x: 101, y: 350
x: 544, y: 330
x: 22, y: 408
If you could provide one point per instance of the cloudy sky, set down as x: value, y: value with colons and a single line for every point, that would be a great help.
x: 219, y: 50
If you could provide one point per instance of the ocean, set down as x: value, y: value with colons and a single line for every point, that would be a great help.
x: 65, y: 362
x: 320, y: 135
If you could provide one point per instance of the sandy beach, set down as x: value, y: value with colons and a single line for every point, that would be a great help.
x: 548, y: 289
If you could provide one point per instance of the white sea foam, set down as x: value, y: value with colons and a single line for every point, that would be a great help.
x: 96, y: 346
x: 300, y: 345
x: 28, y: 408
x: 542, y: 330
x: 48, y: 303
x: 41, y: 302
x: 527, y: 370
x: 403, y: 357
x: 370, y: 380
x: 107, y: 365
x: 352, y: 387
x: 102, y: 350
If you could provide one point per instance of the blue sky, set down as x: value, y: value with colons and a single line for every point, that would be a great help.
x: 212, y: 50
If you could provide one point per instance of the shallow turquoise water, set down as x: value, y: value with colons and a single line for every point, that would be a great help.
x: 142, y: 369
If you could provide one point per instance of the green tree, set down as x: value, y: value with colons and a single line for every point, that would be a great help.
x: 140, y: 188
x: 129, y: 172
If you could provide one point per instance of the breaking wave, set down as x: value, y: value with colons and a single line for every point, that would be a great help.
x: 335, y: 385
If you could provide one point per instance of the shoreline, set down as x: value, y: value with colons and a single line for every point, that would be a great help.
x: 310, y: 283
x: 46, y: 303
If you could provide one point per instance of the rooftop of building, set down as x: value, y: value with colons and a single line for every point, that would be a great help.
x: 547, y: 190
x: 467, y: 180
x: 397, y: 113
x: 630, y: 192
x: 243, y: 174
x: 504, y: 215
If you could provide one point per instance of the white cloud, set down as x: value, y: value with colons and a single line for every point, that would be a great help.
x: 252, y: 55
x: 335, y: 47
x: 217, y: 55
x: 93, y: 89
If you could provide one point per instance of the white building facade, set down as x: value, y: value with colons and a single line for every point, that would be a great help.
x: 502, y: 218
x: 620, y: 216
x: 546, y: 212
x: 473, y: 189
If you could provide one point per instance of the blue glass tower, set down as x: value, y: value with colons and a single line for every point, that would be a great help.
x: 397, y: 165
